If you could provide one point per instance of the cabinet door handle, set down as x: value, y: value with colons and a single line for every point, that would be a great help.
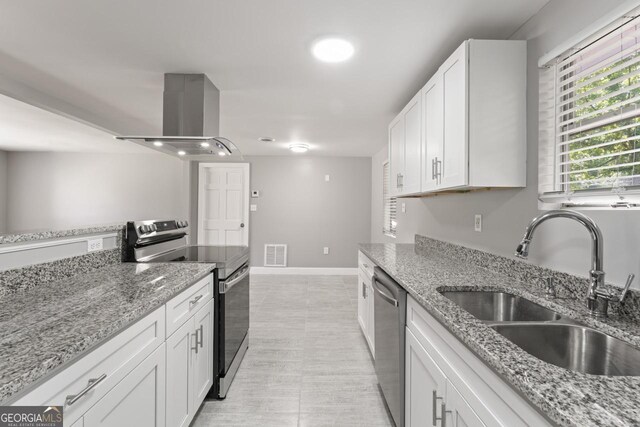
x: 73, y: 398
x: 444, y: 412
x: 195, y: 347
x: 436, y: 418
x: 433, y: 168
x: 194, y: 301
x: 439, y: 170
x: 201, y: 336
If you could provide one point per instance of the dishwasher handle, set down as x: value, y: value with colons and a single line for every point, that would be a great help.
x: 383, y: 295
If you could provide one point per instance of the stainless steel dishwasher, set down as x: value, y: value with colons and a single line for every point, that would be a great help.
x: 390, y: 308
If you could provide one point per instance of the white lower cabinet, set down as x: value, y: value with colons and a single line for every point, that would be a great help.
x: 137, y: 400
x: 140, y: 377
x: 446, y: 385
x: 189, y: 367
x: 179, y: 372
x: 203, y: 357
x: 365, y: 300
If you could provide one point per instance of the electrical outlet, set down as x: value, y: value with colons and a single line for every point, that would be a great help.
x: 94, y: 245
x: 253, y: 208
x: 478, y: 223
x: 404, y: 208
x: 325, y: 250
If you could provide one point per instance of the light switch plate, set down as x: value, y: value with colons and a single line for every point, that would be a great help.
x: 325, y: 250
x: 253, y: 208
x: 255, y: 194
x: 327, y: 178
x: 404, y: 207
x: 478, y: 223
x: 94, y: 245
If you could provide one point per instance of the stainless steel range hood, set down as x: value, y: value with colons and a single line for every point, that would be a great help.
x: 190, y: 120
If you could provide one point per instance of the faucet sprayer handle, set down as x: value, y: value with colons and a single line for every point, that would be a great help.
x: 617, y: 297
x: 627, y: 285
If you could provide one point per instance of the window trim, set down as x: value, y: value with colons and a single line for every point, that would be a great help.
x: 549, y: 194
x: 387, y: 231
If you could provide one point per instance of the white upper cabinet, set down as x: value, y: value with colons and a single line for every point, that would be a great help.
x: 433, y: 116
x: 405, y: 149
x: 396, y: 155
x: 412, y: 146
x: 452, y: 167
x: 472, y: 123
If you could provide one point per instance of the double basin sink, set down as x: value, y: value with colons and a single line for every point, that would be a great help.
x: 547, y: 335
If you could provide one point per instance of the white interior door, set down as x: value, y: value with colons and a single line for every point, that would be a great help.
x: 223, y: 204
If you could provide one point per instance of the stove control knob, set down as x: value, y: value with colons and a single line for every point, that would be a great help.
x: 185, y: 224
x: 143, y: 229
x: 153, y: 227
x: 179, y: 224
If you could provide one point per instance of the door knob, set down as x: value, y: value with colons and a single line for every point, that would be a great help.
x: 242, y: 225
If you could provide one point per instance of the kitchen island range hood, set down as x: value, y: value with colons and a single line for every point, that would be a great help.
x: 190, y: 119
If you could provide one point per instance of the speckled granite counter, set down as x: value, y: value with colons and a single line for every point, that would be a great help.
x: 568, y: 398
x: 29, y: 236
x: 44, y: 327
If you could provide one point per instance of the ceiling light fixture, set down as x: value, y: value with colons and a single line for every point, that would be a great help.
x: 221, y: 153
x: 332, y: 50
x: 266, y: 139
x: 204, y: 144
x: 181, y: 153
x: 157, y: 143
x: 299, y: 147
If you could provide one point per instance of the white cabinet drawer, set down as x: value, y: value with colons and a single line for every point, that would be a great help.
x: 365, y: 265
x: 188, y: 302
x: 93, y: 375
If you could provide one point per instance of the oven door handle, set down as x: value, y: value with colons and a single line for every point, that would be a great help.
x: 227, y: 285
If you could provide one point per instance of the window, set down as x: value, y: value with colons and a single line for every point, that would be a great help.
x: 590, y: 120
x: 389, y: 208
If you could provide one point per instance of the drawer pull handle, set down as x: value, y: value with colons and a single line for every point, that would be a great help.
x: 195, y: 301
x: 73, y: 398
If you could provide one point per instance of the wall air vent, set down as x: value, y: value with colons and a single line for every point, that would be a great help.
x: 275, y: 255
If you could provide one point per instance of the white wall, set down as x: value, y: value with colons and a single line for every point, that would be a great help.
x: 558, y: 244
x: 3, y: 191
x: 70, y: 190
x: 298, y: 207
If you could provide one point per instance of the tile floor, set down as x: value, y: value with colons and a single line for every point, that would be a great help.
x: 307, y: 363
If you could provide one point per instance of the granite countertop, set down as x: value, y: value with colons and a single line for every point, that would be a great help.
x: 29, y: 236
x: 567, y: 398
x: 47, y: 326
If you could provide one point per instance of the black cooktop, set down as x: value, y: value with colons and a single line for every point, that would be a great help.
x: 218, y: 254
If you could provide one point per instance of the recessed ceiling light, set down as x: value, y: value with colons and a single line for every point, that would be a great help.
x: 332, y: 50
x: 266, y: 139
x: 299, y: 147
x: 181, y: 153
x: 204, y: 144
x: 157, y: 143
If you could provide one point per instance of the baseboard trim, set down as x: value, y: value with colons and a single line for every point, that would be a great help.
x: 316, y: 271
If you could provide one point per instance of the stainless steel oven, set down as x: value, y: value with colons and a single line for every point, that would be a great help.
x: 231, y: 340
x: 166, y: 241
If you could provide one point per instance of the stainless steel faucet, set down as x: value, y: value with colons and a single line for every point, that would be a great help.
x: 597, y: 297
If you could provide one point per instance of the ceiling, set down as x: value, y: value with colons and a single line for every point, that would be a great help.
x: 108, y: 58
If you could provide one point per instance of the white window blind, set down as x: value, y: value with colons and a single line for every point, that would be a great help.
x: 589, y: 150
x: 389, y: 208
